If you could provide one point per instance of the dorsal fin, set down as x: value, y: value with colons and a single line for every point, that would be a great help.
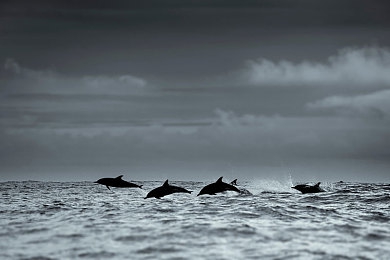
x: 119, y: 177
x: 166, y: 183
x: 318, y: 184
x: 220, y: 179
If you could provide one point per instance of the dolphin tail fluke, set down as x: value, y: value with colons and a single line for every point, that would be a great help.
x: 140, y: 186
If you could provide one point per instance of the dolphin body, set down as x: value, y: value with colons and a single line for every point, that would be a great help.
x: 164, y: 190
x: 242, y: 190
x: 117, y: 182
x: 216, y: 187
x: 306, y: 188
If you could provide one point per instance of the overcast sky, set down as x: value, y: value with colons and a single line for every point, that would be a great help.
x: 193, y: 90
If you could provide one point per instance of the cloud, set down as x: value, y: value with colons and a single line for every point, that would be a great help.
x: 46, y: 98
x: 350, y: 67
x: 51, y: 119
x: 374, y: 105
x: 245, y: 142
x: 22, y: 80
x: 248, y: 139
x: 13, y: 67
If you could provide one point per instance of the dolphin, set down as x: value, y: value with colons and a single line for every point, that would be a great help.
x: 117, y: 182
x: 234, y: 182
x: 242, y: 190
x: 216, y: 187
x: 306, y: 188
x: 164, y: 190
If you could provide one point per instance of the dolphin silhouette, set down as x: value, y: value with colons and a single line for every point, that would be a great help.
x: 242, y: 190
x: 306, y: 188
x: 164, y: 190
x: 117, y: 182
x: 216, y: 187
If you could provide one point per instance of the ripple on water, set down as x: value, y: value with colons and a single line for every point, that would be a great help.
x: 131, y: 238
x: 97, y: 255
x: 158, y: 249
x: 39, y: 258
x: 377, y: 236
x: 71, y: 236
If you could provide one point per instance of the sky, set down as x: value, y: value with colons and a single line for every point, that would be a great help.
x: 194, y: 90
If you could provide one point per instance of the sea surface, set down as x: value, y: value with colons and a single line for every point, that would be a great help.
x: 84, y: 220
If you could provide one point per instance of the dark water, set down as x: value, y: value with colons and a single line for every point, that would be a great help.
x: 49, y: 220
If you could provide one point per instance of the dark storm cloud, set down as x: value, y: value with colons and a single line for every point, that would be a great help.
x: 193, y: 85
x: 187, y: 17
x: 329, y: 12
x: 181, y: 39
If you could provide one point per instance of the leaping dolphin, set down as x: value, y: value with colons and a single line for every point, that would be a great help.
x: 242, y: 190
x: 164, y: 190
x: 216, y: 187
x: 306, y: 188
x: 117, y: 182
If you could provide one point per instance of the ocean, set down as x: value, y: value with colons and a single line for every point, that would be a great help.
x: 84, y: 220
